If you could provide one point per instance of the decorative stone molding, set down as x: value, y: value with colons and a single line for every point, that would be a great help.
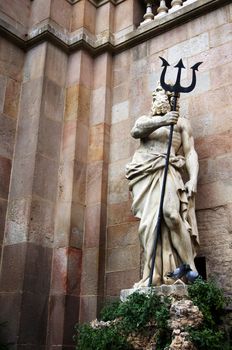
x: 110, y: 42
x: 97, y: 3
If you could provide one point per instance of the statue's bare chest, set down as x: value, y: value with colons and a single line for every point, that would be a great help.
x: 158, y: 139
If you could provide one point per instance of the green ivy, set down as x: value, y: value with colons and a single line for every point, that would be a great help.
x: 147, y: 315
x: 212, y: 302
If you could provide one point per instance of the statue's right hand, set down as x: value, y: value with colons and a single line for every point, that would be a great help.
x: 171, y: 117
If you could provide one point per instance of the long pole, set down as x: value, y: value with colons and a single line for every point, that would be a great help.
x: 157, y: 231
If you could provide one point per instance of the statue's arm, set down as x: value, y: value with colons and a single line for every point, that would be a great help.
x: 191, y: 157
x: 145, y: 125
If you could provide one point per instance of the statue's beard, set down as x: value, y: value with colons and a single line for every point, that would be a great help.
x: 160, y: 108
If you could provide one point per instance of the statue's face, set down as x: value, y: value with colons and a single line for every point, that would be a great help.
x: 160, y: 105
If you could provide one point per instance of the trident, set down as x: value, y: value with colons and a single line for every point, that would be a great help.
x: 176, y: 89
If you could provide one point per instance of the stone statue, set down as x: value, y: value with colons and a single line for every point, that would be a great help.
x: 179, y: 237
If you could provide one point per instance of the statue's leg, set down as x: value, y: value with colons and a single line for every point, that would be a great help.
x: 179, y: 233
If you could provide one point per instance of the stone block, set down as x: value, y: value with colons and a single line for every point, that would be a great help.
x: 72, y: 307
x: 79, y: 182
x: 216, y: 56
x: 90, y: 268
x: 95, y: 222
x: 35, y: 63
x: 222, y: 75
x: 34, y: 314
x: 11, y: 103
x: 212, y: 19
x: 214, y: 169
x: 188, y: 48
x: 120, y: 150
x: 13, y: 266
x: 100, y: 106
x: 17, y: 220
x: 120, y: 93
x: 3, y: 208
x: 167, y: 39
x: 74, y: 65
x: 220, y: 35
x: 98, y: 142
x: 65, y: 181
x: 122, y: 235
x: 78, y: 15
x: 74, y: 271
x: 116, y: 281
x: 59, y: 271
x: 61, y: 13
x: 89, y: 17
x: 53, y: 101
x: 11, y: 59
x: 10, y: 304
x: 213, y: 145
x: 104, y: 18
x: 39, y: 12
x: 41, y: 227
x: 88, y: 308
x: 49, y: 138
x: 118, y: 190
x: 69, y: 141
x: 120, y: 20
x: 22, y: 177
x: 31, y: 99
x: 120, y: 213
x: 19, y: 12
x: 123, y: 258
x: 84, y: 104
x: 102, y: 71
x: 45, y: 179
x: 5, y: 171
x: 56, y: 64
x: 213, y: 194
x: 62, y: 224
x: 3, y: 81
x: 7, y: 136
x: 71, y: 102
x: 77, y: 225
x: 86, y: 70
x: 96, y: 182
x: 56, y: 320
x: 37, y: 269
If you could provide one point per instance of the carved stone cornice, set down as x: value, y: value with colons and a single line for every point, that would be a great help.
x: 49, y: 31
x: 97, y: 3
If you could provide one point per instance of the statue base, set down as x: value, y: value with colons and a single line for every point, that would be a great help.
x: 178, y: 289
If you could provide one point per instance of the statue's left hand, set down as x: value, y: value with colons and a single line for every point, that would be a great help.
x: 191, y: 188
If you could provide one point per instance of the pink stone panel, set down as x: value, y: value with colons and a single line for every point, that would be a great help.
x: 120, y: 20
x: 123, y: 258
x: 88, y: 308
x: 78, y: 15
x: 89, y: 277
x: 104, y: 18
x: 74, y: 271
x: 116, y: 281
x: 5, y: 171
x: 39, y: 11
x: 56, y: 64
x: 122, y: 235
x: 11, y: 60
x: 89, y: 16
x: 79, y: 182
x: 7, y: 136
x: 19, y: 11
x: 59, y: 271
x: 12, y: 95
x: 61, y: 13
x: 96, y: 182
x: 35, y: 62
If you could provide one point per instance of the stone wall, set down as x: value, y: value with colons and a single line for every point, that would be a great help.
x: 74, y: 76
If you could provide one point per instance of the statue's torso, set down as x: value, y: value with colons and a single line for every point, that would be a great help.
x: 157, y: 141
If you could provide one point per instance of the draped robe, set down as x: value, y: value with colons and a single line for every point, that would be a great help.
x: 145, y: 175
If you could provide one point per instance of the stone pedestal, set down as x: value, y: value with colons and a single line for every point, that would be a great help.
x: 177, y: 289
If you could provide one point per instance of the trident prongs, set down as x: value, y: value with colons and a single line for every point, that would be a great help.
x: 177, y: 88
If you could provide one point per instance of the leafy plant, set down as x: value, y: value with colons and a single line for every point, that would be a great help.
x: 137, y: 316
x: 212, y: 302
x: 107, y: 338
